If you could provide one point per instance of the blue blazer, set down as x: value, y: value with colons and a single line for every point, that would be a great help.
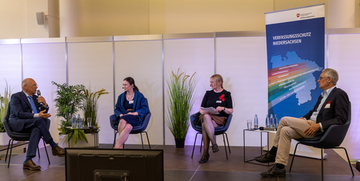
x: 140, y: 105
x: 20, y: 110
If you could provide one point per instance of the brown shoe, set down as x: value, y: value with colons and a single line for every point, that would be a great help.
x: 31, y: 165
x: 58, y: 151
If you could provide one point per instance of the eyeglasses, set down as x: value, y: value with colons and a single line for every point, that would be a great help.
x: 320, y: 78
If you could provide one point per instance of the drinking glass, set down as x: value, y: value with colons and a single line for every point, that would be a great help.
x: 89, y: 122
x: 249, y: 124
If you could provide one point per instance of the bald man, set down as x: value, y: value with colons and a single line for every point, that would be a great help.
x: 29, y: 114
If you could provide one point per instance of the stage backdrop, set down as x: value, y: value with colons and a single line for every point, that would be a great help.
x: 295, y: 51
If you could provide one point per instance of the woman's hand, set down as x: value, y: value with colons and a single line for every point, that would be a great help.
x: 220, y: 108
x: 133, y: 113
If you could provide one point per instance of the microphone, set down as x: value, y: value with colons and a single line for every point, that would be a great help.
x: 39, y: 94
x: 265, y: 128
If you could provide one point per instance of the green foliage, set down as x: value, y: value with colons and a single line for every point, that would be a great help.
x: 90, y: 105
x: 4, y: 103
x: 68, y: 101
x: 180, y: 90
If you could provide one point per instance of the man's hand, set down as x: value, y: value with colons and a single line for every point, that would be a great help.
x: 312, y: 129
x: 44, y: 115
x: 42, y: 100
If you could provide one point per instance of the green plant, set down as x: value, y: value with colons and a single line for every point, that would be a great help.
x: 180, y: 90
x: 90, y: 105
x: 68, y: 102
x: 4, y: 103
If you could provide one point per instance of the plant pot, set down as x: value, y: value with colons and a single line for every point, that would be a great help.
x: 93, y: 141
x: 179, y: 142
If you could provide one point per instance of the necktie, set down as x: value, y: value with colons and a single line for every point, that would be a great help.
x: 33, y: 105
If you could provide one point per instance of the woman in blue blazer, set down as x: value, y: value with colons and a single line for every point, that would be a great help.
x: 131, y: 108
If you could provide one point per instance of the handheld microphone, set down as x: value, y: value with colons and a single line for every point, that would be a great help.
x: 265, y: 128
x: 39, y: 94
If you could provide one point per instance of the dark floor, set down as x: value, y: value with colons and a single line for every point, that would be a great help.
x: 179, y: 166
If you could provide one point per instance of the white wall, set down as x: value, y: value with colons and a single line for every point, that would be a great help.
x: 344, y: 57
x: 91, y: 64
x: 142, y: 60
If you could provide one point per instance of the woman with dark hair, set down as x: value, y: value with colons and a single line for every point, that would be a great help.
x: 220, y: 100
x: 131, y: 108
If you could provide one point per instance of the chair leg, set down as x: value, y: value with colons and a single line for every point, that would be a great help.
x: 115, y: 132
x: 12, y: 142
x: 142, y: 142
x: 192, y: 154
x: 322, y: 163
x: 7, y: 149
x: 347, y: 156
x: 292, y: 160
x: 46, y: 152
x: 228, y: 142
x: 147, y: 139
x: 225, y: 147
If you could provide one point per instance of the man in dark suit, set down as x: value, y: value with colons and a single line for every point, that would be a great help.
x: 28, y: 113
x: 331, y: 108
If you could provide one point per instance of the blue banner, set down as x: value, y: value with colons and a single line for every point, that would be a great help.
x: 295, y: 52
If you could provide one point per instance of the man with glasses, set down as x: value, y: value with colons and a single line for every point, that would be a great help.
x: 28, y: 114
x: 331, y: 108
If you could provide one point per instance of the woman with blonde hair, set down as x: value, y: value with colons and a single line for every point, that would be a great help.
x: 221, y: 101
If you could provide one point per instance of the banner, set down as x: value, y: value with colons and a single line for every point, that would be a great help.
x: 295, y: 52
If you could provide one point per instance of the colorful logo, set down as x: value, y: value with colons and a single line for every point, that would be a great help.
x: 298, y: 15
x: 222, y: 97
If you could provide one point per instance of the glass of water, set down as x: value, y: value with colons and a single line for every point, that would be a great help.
x: 249, y: 124
x: 89, y: 121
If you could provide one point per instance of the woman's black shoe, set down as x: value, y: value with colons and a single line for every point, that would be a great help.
x: 204, y: 158
x: 215, y: 148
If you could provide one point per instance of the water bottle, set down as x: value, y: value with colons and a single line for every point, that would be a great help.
x: 267, y: 121
x: 276, y: 121
x: 256, y: 122
x: 272, y: 121
x: 78, y: 121
x: 73, y: 121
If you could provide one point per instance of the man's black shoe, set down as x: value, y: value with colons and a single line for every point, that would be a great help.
x: 274, y: 172
x: 266, y: 158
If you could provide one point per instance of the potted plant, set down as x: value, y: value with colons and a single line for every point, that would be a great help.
x: 68, y: 102
x: 4, y: 103
x: 90, y: 106
x: 180, y: 91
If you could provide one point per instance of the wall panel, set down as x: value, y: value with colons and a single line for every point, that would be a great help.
x: 243, y: 64
x: 190, y: 55
x: 142, y: 60
x: 45, y: 62
x: 91, y: 64
x: 344, y: 57
x: 10, y: 69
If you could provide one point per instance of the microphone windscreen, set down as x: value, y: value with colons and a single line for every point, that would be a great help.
x: 38, y: 92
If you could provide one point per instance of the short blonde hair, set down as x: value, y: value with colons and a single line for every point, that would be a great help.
x: 218, y: 78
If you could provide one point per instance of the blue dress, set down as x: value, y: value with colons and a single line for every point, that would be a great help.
x: 131, y: 119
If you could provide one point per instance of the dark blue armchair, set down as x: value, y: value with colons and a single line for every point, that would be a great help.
x: 218, y: 131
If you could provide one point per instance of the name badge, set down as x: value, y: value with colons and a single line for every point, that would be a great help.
x: 131, y: 102
x: 218, y: 101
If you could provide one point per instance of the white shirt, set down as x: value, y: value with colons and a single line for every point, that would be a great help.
x: 325, y: 95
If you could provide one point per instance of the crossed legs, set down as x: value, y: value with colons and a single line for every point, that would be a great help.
x: 124, y: 130
x: 208, y: 134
